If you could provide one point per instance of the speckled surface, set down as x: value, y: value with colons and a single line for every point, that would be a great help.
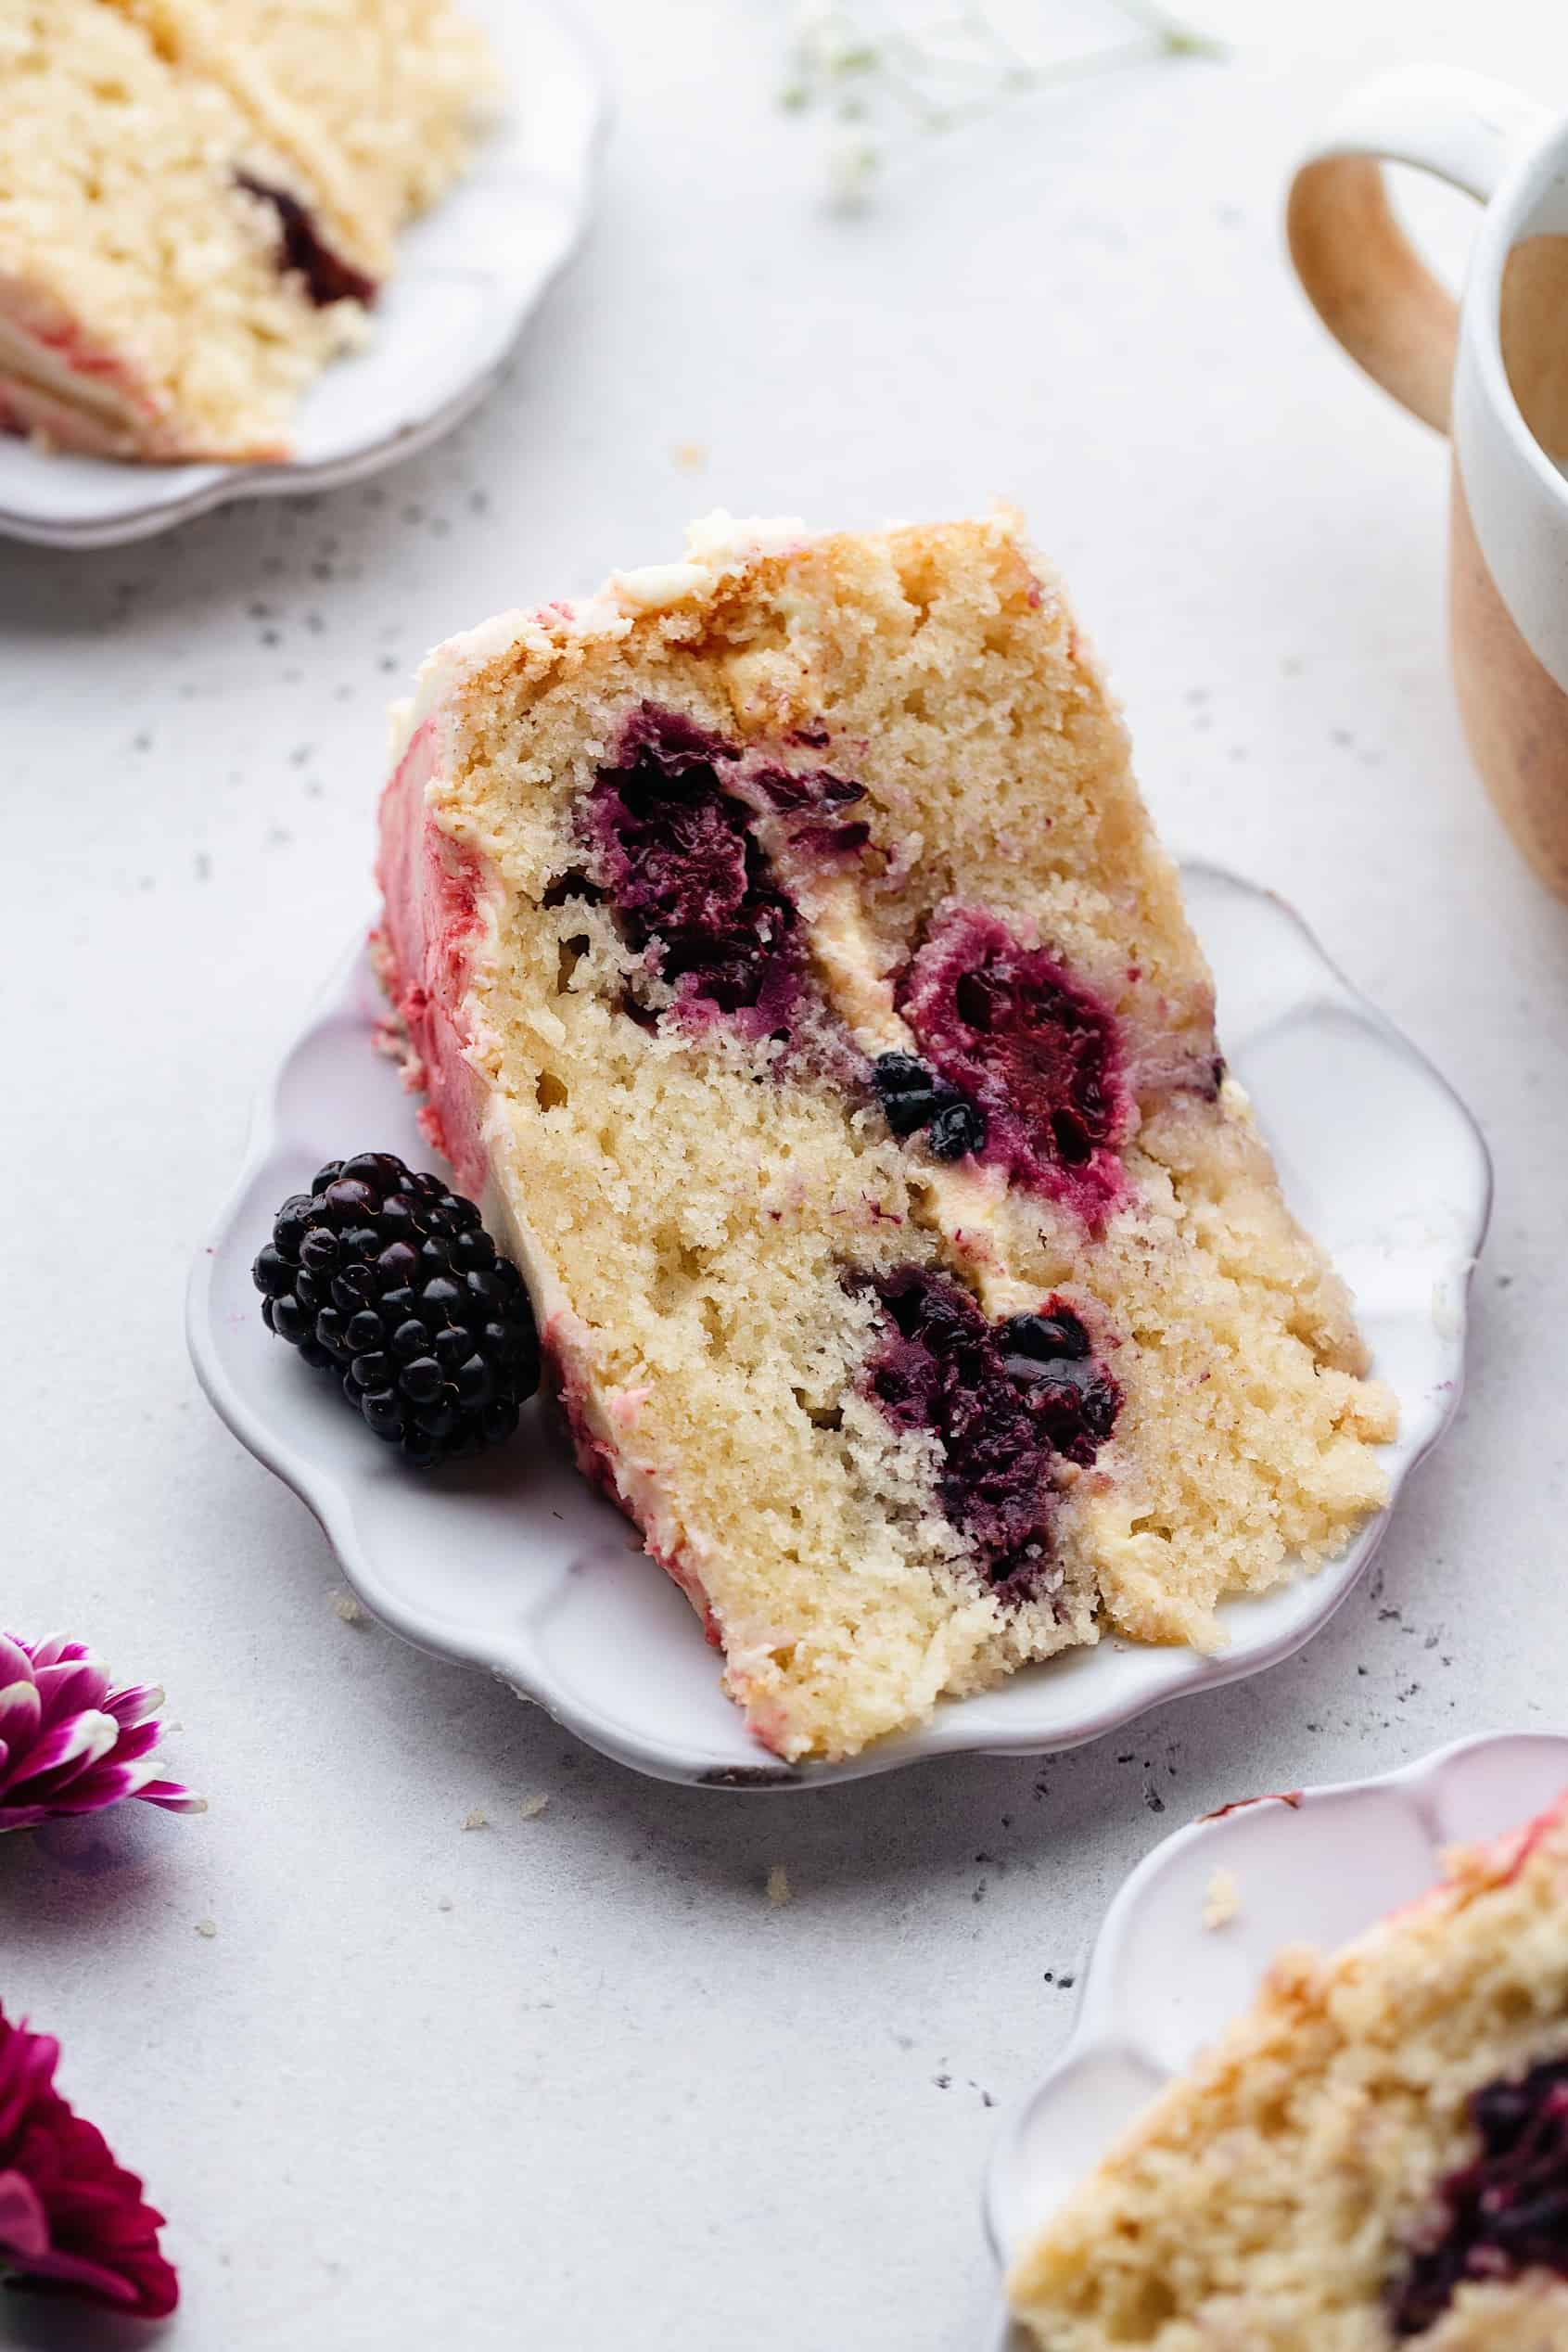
x: 575, y: 2080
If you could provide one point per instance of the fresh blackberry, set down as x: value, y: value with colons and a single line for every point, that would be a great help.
x: 389, y: 1283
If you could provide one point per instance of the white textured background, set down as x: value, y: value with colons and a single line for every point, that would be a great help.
x: 571, y: 2082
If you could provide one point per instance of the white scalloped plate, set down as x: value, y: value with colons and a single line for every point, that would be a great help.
x: 468, y: 274
x: 1316, y: 1867
x: 515, y: 1564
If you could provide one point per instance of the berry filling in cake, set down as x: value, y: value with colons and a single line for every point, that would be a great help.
x: 326, y: 276
x: 1010, y: 1029
x: 693, y: 888
x: 783, y: 949
x: 1007, y: 1403
x: 1376, y: 2153
x: 1507, y: 2210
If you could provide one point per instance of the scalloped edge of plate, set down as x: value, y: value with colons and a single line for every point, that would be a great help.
x: 1043, y: 1709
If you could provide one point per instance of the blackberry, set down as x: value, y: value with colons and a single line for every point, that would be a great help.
x: 690, y: 886
x: 389, y: 1283
x: 912, y: 1096
x: 1044, y: 1338
x: 906, y: 1089
x: 958, y: 1129
x: 1050, y: 1359
x: 1002, y: 1400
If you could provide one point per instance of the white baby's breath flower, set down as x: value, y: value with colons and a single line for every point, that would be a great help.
x: 853, y: 163
x: 887, y: 70
x: 829, y: 42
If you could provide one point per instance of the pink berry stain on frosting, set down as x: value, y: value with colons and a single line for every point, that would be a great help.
x: 1013, y: 1031
x: 1007, y: 1402
x: 1505, y: 2212
x: 433, y: 892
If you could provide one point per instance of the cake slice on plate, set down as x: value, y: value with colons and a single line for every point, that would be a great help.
x: 187, y: 232
x: 783, y: 949
x: 375, y: 100
x: 1376, y: 2155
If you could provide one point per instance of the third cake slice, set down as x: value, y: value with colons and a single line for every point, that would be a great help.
x: 1376, y: 2155
x: 785, y: 951
x: 199, y: 200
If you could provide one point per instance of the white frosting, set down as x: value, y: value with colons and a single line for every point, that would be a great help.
x: 654, y: 587
x: 444, y: 669
x: 400, y: 728
x: 716, y: 546
x: 724, y: 542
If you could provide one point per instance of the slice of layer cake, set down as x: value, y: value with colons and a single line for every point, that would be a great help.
x: 184, y: 238
x: 375, y: 101
x: 1376, y: 2155
x: 781, y: 940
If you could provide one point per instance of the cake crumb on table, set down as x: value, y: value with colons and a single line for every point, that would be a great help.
x: 778, y: 1886
x: 531, y: 1806
x: 207, y: 1927
x: 347, y: 1608
x: 475, y: 1820
x: 1222, y: 1899
x: 690, y: 456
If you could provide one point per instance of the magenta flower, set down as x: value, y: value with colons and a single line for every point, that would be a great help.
x: 69, y: 1743
x: 72, y: 2221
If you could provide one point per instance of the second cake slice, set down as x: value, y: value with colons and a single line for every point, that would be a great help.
x: 784, y: 947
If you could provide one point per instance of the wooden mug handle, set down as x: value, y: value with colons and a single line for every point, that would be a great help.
x: 1366, y: 281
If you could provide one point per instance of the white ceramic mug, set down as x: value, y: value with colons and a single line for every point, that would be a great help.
x: 1493, y: 373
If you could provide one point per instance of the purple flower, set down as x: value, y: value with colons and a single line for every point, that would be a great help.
x: 69, y: 1743
x: 72, y: 2221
